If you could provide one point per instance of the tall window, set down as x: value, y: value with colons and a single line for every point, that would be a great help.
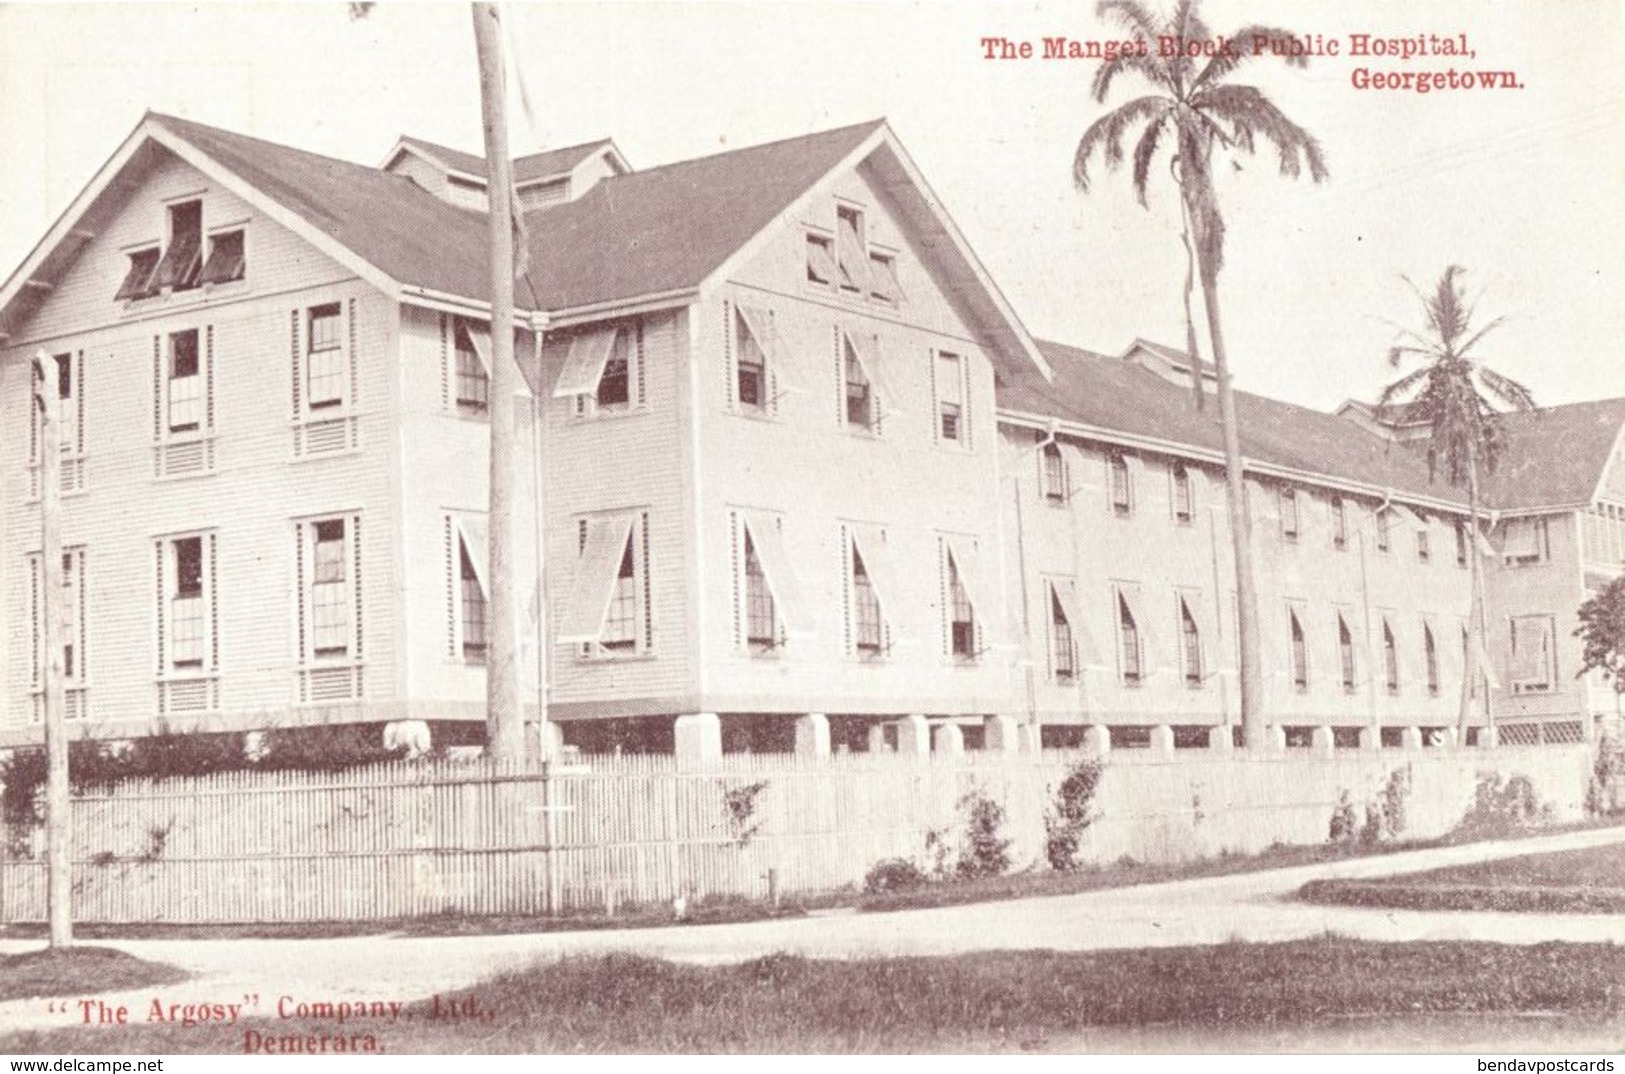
x: 1184, y: 509
x: 329, y: 591
x: 187, y: 614
x: 1340, y: 524
x: 860, y: 409
x: 615, y: 383
x: 1129, y: 636
x: 761, y: 629
x: 869, y: 633
x: 185, y: 382
x: 1385, y: 521
x: 1191, y: 645
x: 66, y: 412
x: 1424, y: 547
x: 182, y: 263
x: 950, y: 397
x: 1300, y: 653
x: 850, y: 249
x: 1533, y: 664
x: 621, y: 622
x: 1289, y: 514
x: 1062, y: 652
x: 750, y: 365
x: 325, y: 365
x: 1461, y: 543
x: 1431, y: 653
x: 473, y: 383
x: 1122, y: 494
x: 962, y: 617
x: 472, y: 595
x: 1053, y: 468
x: 1345, y: 653
x: 1390, y: 658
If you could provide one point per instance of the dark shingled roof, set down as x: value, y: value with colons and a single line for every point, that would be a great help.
x: 542, y: 165
x: 1555, y: 457
x: 643, y: 233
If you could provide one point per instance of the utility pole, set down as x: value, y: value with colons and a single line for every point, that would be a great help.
x: 504, y: 717
x: 53, y: 612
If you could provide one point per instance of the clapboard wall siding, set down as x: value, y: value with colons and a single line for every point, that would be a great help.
x: 803, y: 463
x: 249, y: 499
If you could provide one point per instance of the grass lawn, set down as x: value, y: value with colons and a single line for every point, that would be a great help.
x: 980, y: 1002
x: 78, y: 970
x: 1588, y: 881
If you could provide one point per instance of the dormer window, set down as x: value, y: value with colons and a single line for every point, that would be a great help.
x: 820, y: 260
x: 138, y: 282
x: 182, y: 263
x: 883, y: 284
x: 226, y: 257
x: 850, y: 254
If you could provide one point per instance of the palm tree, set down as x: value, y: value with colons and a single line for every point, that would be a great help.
x: 1202, y: 112
x: 1454, y: 391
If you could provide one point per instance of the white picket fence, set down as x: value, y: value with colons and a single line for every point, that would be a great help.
x: 414, y: 839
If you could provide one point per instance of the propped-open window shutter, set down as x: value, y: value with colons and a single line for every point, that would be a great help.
x: 728, y: 370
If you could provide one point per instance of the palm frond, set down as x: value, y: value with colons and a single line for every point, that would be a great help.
x: 1220, y: 66
x: 1131, y: 15
x: 1506, y: 389
x: 1393, y: 393
x: 1467, y: 347
x: 1145, y: 152
x: 1106, y: 135
x: 1150, y: 68
x: 1250, y: 114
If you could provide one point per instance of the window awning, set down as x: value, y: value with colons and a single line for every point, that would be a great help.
x: 1154, y: 657
x: 1450, y: 641
x: 1485, y: 665
x: 481, y: 339
x: 1081, y: 472
x: 854, y: 260
x: 883, y: 278
x: 1407, y: 517
x: 1194, y: 602
x: 1522, y: 539
x: 760, y: 323
x: 768, y: 544
x: 877, y: 564
x: 820, y: 259
x: 1331, y: 656
x: 874, y: 368
x: 582, y: 617
x: 969, y: 566
x: 584, y: 364
x: 1089, y: 652
x: 225, y: 261
x: 476, y: 541
x: 1531, y: 652
x: 1412, y: 662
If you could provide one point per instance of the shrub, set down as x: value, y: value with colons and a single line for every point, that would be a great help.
x: 1071, y: 814
x: 1342, y: 827
x: 893, y: 874
x: 1606, y: 794
x: 984, y: 852
x: 1502, y: 805
x: 1392, y: 805
x: 740, y: 803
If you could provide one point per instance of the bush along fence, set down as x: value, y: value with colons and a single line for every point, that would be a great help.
x: 410, y: 839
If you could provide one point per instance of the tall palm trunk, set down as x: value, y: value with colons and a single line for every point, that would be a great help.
x: 1475, y: 676
x: 1247, y: 628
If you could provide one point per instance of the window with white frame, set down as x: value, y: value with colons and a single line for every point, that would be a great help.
x: 329, y: 592
x: 1128, y: 632
x: 1190, y: 649
x: 1385, y: 522
x: 188, y: 616
x: 615, y: 382
x: 1345, y: 653
x: 182, y: 264
x: 961, y: 615
x: 1430, y: 655
x: 139, y: 278
x: 227, y: 258
x: 1390, y: 657
x: 820, y: 259
x: 184, y: 394
x: 1340, y: 524
x: 473, y: 382
x: 1526, y: 541
x: 1052, y: 468
x: 606, y: 612
x: 761, y: 616
x: 859, y: 393
x: 1120, y: 488
x: 1299, y: 652
x: 326, y: 369
x: 1534, y: 658
x: 883, y: 285
x: 1063, y: 651
x: 69, y: 609
x: 950, y: 386
x: 1424, y: 546
x: 752, y: 382
x: 868, y: 627
x: 1288, y: 500
x: 1461, y: 543
x: 1182, y: 501
x: 964, y: 597
x: 851, y: 252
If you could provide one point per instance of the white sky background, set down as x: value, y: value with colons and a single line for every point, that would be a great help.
x: 1521, y: 187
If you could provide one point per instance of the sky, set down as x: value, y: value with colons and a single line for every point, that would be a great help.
x: 1519, y: 186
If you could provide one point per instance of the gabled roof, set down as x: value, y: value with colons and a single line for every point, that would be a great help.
x: 669, y: 228
x: 1176, y: 358
x: 549, y: 164
x: 1555, y: 456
